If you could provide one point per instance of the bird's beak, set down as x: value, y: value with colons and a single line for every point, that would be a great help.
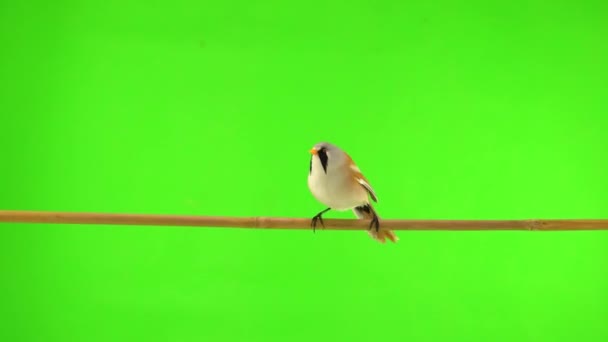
x: 313, y: 151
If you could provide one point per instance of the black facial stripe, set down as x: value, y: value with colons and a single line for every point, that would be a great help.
x: 323, y: 156
x: 310, y: 169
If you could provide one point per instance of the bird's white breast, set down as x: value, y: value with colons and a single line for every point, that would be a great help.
x: 337, y: 188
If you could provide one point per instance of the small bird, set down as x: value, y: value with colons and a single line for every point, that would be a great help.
x: 335, y: 180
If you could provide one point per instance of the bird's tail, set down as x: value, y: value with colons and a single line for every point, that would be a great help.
x: 367, y: 212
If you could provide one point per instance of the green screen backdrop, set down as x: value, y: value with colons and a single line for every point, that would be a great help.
x: 453, y: 110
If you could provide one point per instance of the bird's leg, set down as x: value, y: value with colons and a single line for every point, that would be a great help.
x: 318, y: 217
x: 375, y: 222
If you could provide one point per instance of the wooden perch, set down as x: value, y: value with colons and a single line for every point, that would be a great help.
x: 8, y: 216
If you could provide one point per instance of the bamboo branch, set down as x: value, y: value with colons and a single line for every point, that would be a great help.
x: 8, y: 216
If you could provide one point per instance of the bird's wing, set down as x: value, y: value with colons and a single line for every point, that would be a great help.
x: 360, y: 178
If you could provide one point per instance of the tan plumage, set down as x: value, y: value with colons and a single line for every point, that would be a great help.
x: 335, y: 180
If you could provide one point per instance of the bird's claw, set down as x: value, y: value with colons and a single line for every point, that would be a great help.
x: 313, y: 223
x: 375, y: 222
x: 318, y: 217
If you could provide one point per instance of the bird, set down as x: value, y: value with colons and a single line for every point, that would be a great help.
x: 336, y: 182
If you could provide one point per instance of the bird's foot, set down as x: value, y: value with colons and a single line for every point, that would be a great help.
x: 318, y: 217
x: 375, y: 222
x: 314, y: 221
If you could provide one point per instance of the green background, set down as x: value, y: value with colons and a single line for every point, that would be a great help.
x: 453, y: 111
